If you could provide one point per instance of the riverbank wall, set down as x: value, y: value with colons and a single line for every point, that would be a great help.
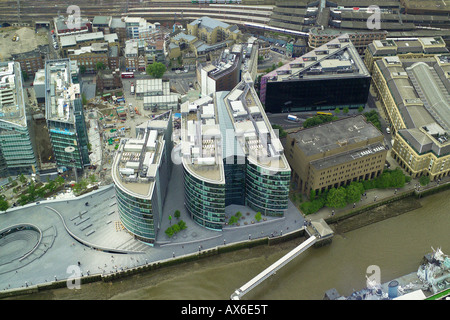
x: 380, y: 210
x: 119, y: 275
x: 344, y: 222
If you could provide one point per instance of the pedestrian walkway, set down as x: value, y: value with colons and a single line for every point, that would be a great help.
x: 374, y: 196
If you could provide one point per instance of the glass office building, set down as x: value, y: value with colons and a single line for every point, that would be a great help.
x: 267, y: 191
x: 17, y: 151
x: 141, y: 172
x: 328, y: 77
x: 204, y: 200
x: 231, y: 156
x: 324, y: 93
x: 64, y: 114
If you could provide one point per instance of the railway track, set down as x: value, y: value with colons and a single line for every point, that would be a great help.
x: 31, y: 11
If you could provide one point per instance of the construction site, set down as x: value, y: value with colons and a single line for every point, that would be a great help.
x: 16, y: 40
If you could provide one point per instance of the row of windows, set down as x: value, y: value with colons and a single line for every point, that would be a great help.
x: 340, y: 173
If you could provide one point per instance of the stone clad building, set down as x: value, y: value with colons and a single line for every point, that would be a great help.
x: 335, y: 154
x: 415, y: 95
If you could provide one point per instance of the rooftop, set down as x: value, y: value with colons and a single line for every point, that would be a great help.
x: 201, y: 140
x: 413, y: 45
x: 12, y: 104
x: 335, y: 135
x: 209, y: 23
x: 337, y: 58
x: 60, y: 91
x: 137, y: 160
x: 252, y: 128
x: 420, y: 88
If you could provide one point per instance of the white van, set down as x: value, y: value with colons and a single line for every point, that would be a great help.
x: 388, y: 130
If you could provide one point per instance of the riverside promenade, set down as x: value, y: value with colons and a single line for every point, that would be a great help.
x: 377, y: 197
x: 71, y: 239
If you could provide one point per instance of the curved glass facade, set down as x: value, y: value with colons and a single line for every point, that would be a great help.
x: 267, y: 192
x: 136, y: 215
x: 205, y: 201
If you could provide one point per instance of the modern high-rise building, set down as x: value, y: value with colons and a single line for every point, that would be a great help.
x: 332, y: 75
x: 17, y: 150
x: 141, y: 172
x: 231, y: 155
x: 64, y: 114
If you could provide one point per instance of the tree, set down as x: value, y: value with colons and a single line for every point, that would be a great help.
x: 182, y: 225
x: 384, y: 181
x: 424, y: 180
x: 156, y: 69
x: 177, y: 214
x: 92, y: 178
x: 258, y: 216
x: 176, y: 228
x: 169, y: 232
x: 353, y: 193
x: 232, y: 220
x: 337, y: 110
x: 336, y: 198
x: 360, y: 109
x: 100, y: 66
x: 4, y: 205
x: 22, y: 178
x: 346, y: 110
x: 398, y: 178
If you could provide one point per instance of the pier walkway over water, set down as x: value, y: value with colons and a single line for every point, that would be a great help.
x: 273, y: 268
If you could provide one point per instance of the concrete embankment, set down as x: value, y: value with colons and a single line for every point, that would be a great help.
x: 379, y: 211
x: 119, y: 275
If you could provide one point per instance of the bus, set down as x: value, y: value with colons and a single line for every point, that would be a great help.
x: 127, y: 75
x: 324, y: 113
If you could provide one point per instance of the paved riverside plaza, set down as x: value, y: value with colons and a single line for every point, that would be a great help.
x: 66, y: 232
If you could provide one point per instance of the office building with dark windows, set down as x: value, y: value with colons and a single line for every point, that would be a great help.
x: 17, y: 150
x: 331, y: 76
x: 141, y: 172
x: 231, y: 155
x: 64, y: 114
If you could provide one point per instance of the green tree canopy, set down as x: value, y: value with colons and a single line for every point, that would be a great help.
x: 4, y: 205
x: 424, y: 180
x: 156, y: 69
x: 398, y: 179
x: 353, y: 193
x: 100, y: 66
x: 336, y: 198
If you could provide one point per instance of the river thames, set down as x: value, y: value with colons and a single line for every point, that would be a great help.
x: 396, y: 245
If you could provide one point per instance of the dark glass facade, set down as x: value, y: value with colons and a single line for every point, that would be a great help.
x: 136, y: 215
x: 204, y: 201
x: 316, y: 94
x: 267, y: 192
x: 235, y: 182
